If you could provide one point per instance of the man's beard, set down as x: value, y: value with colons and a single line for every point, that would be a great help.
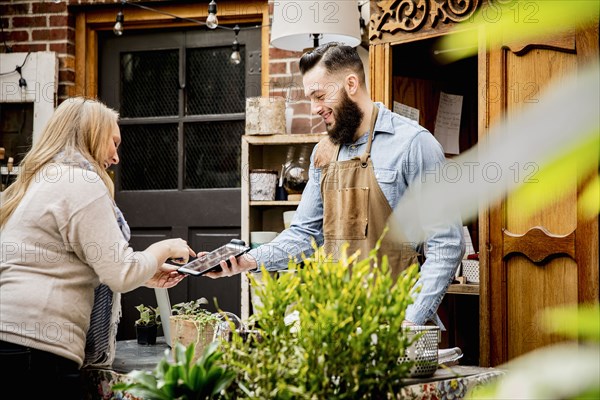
x: 348, y: 117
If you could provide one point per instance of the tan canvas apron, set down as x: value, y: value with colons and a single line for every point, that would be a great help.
x: 355, y: 210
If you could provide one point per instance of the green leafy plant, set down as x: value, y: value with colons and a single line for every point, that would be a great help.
x: 332, y: 329
x: 148, y: 316
x: 192, y: 323
x: 181, y: 378
x: 195, y: 310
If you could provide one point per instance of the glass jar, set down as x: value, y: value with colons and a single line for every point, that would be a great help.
x: 296, y: 173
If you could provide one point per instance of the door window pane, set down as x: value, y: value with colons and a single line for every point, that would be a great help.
x: 214, y: 85
x: 212, y: 154
x: 148, y: 157
x: 149, y: 83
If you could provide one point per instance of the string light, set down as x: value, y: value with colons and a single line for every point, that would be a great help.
x: 361, y: 20
x: 235, y: 57
x: 19, y: 69
x: 211, y: 21
x: 118, y: 28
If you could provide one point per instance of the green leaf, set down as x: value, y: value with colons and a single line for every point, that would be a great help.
x: 575, y: 322
x: 552, y: 181
x: 518, y: 21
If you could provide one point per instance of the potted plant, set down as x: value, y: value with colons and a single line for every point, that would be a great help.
x: 146, y: 326
x: 181, y: 378
x: 191, y: 323
x: 332, y: 329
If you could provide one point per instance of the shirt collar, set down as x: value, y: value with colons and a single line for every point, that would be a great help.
x: 384, y: 120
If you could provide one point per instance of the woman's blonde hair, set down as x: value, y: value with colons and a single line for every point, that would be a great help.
x: 78, y: 124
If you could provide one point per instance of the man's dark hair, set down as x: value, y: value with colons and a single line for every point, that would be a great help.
x: 335, y: 57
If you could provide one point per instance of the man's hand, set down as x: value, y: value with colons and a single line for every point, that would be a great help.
x: 243, y: 263
x: 166, y: 277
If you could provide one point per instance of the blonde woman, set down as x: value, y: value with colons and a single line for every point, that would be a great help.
x: 65, y: 255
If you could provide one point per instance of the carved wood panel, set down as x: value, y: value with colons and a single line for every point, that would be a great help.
x: 398, y: 17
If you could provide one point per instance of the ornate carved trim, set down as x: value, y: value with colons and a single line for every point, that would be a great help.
x: 538, y: 244
x: 392, y: 16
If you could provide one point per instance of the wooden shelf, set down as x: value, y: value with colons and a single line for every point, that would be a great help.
x: 264, y: 203
x: 464, y: 288
x: 284, y: 139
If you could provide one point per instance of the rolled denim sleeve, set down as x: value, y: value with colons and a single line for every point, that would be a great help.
x: 306, y: 227
x: 444, y: 247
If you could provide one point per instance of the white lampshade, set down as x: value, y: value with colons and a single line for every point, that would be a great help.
x: 295, y: 22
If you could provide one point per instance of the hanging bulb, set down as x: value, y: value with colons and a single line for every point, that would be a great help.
x: 22, y: 81
x: 235, y: 57
x: 118, y: 28
x: 211, y: 21
x: 362, y: 26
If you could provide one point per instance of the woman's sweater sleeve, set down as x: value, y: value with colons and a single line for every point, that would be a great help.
x: 95, y: 237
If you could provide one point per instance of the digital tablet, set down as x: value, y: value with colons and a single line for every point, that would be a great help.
x: 211, y: 262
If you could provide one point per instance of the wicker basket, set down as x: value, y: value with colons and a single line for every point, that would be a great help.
x: 424, y: 351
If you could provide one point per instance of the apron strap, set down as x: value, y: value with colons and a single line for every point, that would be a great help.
x: 365, y: 156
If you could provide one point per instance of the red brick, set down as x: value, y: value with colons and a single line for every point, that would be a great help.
x: 275, y: 53
x: 58, y: 21
x: 277, y: 68
x: 301, y: 108
x: 66, y: 62
x: 66, y: 76
x: 49, y: 34
x: 29, y: 22
x: 29, y: 47
x: 71, y: 35
x: 294, y: 67
x: 301, y: 125
x: 17, y: 36
x: 296, y: 95
x: 14, y: 9
x: 65, y: 48
x: 48, y: 7
x: 63, y: 90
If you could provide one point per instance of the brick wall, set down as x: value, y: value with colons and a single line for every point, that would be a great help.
x: 49, y: 26
x: 41, y: 26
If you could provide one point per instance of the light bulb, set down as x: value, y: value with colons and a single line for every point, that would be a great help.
x: 57, y: 1
x: 211, y: 21
x: 235, y: 57
x: 118, y: 28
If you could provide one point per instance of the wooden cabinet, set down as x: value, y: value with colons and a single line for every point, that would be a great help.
x: 501, y: 80
x: 265, y: 152
x: 556, y: 261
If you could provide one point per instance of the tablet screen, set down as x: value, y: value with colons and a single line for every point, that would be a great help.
x: 210, y: 261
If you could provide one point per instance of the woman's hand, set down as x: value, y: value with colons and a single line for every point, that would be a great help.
x: 175, y: 249
x: 166, y: 277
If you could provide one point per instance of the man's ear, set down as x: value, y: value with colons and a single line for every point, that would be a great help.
x: 352, y: 84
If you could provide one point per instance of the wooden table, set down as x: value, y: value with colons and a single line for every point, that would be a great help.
x: 453, y: 382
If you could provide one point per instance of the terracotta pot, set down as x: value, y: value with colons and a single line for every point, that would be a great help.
x: 185, y: 331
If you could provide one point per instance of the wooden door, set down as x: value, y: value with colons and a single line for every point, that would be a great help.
x: 182, y: 108
x: 544, y: 260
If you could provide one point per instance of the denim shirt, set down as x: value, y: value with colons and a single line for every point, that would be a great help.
x: 401, y: 151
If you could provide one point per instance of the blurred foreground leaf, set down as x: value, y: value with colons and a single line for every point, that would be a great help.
x: 520, y: 21
x: 576, y: 322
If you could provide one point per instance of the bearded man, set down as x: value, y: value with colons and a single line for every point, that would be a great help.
x: 368, y: 160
